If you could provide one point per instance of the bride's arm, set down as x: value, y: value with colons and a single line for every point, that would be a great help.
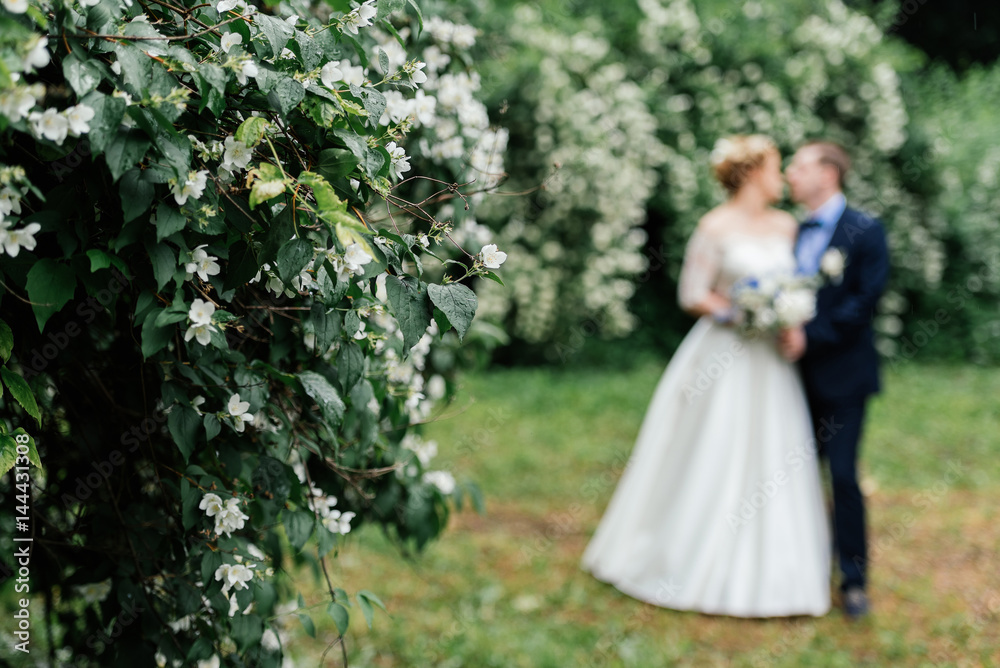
x: 699, y: 274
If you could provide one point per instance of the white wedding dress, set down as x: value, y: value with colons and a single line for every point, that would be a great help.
x: 720, y: 508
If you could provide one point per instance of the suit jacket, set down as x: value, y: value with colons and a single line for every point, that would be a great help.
x: 840, y: 363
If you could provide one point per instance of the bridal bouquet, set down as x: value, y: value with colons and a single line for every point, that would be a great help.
x: 769, y: 303
x: 772, y: 302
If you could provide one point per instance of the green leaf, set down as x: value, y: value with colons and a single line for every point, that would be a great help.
x: 212, y: 426
x: 310, y: 52
x: 136, y: 68
x: 168, y: 220
x: 247, y: 630
x: 298, y: 526
x: 8, y: 453
x: 336, y: 163
x: 19, y: 389
x: 373, y: 101
x: 183, y: 423
x: 307, y: 624
x: 409, y: 303
x: 326, y: 326
x: 339, y: 615
x: 386, y: 7
x: 242, y: 266
x: 366, y: 609
x: 211, y: 80
x: 324, y: 394
x: 209, y: 564
x: 493, y: 277
x: 293, y: 256
x: 286, y: 95
x: 190, y: 499
x: 98, y: 259
x: 136, y: 194
x: 50, y: 285
x: 164, y: 262
x: 277, y: 32
x: 82, y: 75
x: 125, y: 151
x: 251, y: 131
x: 271, y: 476
x: 108, y: 114
x: 350, y: 365
x: 154, y: 336
x: 6, y: 341
x: 370, y: 159
x: 457, y: 302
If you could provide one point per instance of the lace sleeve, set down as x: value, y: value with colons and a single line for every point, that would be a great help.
x: 700, y: 270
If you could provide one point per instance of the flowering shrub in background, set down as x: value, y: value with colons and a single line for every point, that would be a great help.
x: 219, y: 306
x: 628, y: 100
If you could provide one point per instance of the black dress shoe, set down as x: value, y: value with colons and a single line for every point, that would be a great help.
x: 855, y: 602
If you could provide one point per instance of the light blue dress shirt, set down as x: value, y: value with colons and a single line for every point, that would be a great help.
x: 813, y: 241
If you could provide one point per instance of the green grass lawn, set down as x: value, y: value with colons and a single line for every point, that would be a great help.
x: 547, y: 447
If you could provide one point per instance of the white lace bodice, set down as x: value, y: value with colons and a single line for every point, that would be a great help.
x: 713, y: 263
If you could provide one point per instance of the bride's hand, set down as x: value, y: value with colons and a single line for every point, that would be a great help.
x: 792, y: 343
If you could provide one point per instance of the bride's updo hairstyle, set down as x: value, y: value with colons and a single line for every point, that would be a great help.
x: 734, y: 158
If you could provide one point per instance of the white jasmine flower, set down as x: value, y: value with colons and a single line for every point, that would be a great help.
x: 203, y: 264
x: 355, y: 257
x: 443, y: 480
x: 193, y: 187
x: 203, y: 333
x: 230, y: 518
x: 424, y: 108
x: 425, y: 451
x: 94, y: 592
x: 38, y: 53
x: 237, y: 154
x: 360, y: 334
x: 463, y: 36
x: 231, y: 39
x: 16, y: 103
x: 116, y: 66
x: 400, y: 161
x: 492, y: 257
x: 49, y: 124
x: 414, y: 69
x: 10, y: 202
x: 338, y: 523
x: 238, y: 409
x: 331, y: 74
x: 247, y: 69
x: 201, y: 312
x: 14, y: 240
x: 360, y: 17
x: 79, y: 117
x: 424, y: 240
x: 269, y: 641
x: 209, y: 663
x: 435, y: 58
x: 211, y: 504
x: 228, y: 5
x: 16, y: 6
x: 234, y: 576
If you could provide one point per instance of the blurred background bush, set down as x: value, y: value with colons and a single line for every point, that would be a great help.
x: 613, y: 108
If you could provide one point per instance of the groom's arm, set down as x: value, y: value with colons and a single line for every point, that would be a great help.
x: 854, y: 311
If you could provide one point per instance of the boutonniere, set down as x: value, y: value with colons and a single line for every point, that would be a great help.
x: 832, y: 264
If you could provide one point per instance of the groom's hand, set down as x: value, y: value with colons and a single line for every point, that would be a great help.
x: 792, y: 343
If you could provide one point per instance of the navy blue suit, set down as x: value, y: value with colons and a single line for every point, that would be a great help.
x: 840, y: 371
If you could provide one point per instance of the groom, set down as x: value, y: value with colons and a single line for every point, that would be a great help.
x: 835, y: 350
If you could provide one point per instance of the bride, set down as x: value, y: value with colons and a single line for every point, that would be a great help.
x: 720, y: 508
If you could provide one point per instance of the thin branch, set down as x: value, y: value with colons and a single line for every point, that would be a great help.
x: 161, y: 38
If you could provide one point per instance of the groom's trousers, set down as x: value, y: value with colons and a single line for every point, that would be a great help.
x: 838, y: 429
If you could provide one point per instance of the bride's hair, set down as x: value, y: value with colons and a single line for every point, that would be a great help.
x: 735, y: 157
